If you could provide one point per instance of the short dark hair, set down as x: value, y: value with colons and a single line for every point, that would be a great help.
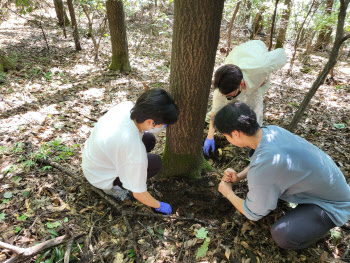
x: 228, y: 78
x: 236, y: 116
x: 155, y: 104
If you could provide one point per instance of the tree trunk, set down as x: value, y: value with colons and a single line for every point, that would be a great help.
x: 257, y: 24
x: 324, y: 36
x: 281, y: 37
x: 339, y: 39
x: 61, y: 13
x: 273, y: 24
x: 74, y: 25
x: 297, y: 39
x: 117, y: 28
x: 230, y: 28
x: 194, y: 44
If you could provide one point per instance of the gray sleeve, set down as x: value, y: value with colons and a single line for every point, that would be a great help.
x: 261, y: 199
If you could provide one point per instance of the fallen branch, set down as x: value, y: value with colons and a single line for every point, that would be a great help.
x: 23, y: 253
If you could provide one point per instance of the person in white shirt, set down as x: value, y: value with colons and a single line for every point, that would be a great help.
x: 246, y: 77
x: 116, y: 156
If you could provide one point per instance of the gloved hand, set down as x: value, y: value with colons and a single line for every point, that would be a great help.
x: 164, y: 208
x: 207, y: 144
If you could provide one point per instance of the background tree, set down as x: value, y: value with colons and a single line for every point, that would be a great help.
x: 62, y: 17
x: 195, y: 39
x: 324, y: 37
x: 92, y: 9
x: 273, y: 24
x: 281, y: 37
x: 339, y: 39
x: 257, y: 23
x: 74, y: 25
x: 117, y: 28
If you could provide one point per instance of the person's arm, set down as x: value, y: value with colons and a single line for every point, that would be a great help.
x: 211, y: 126
x: 226, y: 190
x: 147, y: 199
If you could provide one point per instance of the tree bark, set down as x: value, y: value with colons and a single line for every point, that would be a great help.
x: 74, y: 25
x: 324, y: 36
x: 257, y: 24
x: 297, y: 39
x: 230, y: 28
x: 281, y: 37
x: 61, y: 13
x: 195, y: 39
x: 339, y: 39
x: 273, y: 24
x: 117, y: 27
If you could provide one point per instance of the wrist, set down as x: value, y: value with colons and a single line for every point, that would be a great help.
x: 210, y: 137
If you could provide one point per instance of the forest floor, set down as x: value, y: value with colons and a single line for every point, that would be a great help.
x: 49, y: 105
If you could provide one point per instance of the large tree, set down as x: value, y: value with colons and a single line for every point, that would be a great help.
x: 117, y: 28
x: 195, y: 38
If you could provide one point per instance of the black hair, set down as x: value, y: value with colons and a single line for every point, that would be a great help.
x: 228, y: 78
x: 236, y: 116
x: 155, y: 104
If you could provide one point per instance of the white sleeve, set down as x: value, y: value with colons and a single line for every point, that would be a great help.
x: 133, y: 177
x: 219, y: 101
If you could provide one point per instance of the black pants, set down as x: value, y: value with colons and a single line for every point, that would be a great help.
x: 154, y: 160
x: 301, y: 227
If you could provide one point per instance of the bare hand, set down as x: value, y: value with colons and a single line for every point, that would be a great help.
x: 225, y: 188
x: 230, y: 175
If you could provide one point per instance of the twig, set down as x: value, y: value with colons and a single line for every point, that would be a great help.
x: 68, y: 251
x: 23, y: 253
x: 131, y: 236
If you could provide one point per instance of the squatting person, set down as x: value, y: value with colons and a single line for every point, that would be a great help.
x: 117, y: 158
x: 284, y: 166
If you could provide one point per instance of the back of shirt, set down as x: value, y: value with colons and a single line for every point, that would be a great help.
x: 115, y: 149
x: 288, y: 167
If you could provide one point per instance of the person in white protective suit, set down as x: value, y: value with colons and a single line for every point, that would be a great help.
x: 246, y: 77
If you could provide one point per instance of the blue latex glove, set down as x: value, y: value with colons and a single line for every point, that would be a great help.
x: 164, y: 208
x: 207, y: 144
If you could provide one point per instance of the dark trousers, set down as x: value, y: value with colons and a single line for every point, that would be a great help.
x: 301, y: 227
x: 154, y: 160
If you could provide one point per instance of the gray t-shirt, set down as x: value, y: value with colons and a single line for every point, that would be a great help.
x: 286, y: 166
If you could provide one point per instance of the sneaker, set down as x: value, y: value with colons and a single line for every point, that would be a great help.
x: 117, y: 192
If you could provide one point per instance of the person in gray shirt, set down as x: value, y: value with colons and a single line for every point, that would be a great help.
x: 284, y: 166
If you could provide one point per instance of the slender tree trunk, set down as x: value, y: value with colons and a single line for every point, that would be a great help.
x: 117, y: 28
x: 195, y: 39
x: 339, y: 39
x: 281, y: 37
x: 273, y: 24
x: 61, y: 13
x: 74, y: 25
x: 257, y: 24
x: 297, y: 39
x: 324, y: 36
x: 230, y: 28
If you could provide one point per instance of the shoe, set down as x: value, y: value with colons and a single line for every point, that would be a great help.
x: 117, y: 192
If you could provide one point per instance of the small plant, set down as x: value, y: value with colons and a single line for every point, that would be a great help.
x: 132, y: 255
x: 18, y: 229
x: 2, y: 216
x: 17, y: 148
x: 48, y: 76
x: 22, y: 217
x: 202, y: 234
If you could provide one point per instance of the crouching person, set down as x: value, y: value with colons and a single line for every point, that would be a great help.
x: 117, y: 158
x: 284, y: 166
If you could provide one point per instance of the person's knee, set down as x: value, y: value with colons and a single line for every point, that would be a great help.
x: 284, y: 238
x: 154, y: 164
x: 149, y: 140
